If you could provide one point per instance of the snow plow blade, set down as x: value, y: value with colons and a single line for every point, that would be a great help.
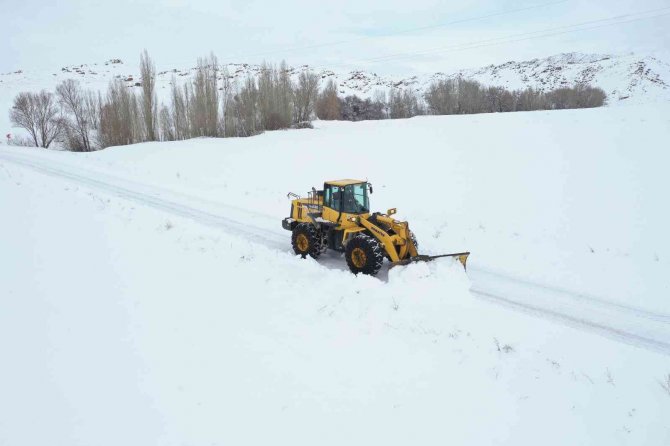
x: 460, y: 256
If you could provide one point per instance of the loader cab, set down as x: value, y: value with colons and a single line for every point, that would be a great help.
x: 345, y: 197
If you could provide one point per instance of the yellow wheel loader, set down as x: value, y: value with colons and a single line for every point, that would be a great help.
x: 338, y: 217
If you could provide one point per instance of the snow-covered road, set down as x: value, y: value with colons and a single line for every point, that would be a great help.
x: 625, y: 323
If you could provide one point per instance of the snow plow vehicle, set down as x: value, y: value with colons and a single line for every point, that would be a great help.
x: 338, y: 218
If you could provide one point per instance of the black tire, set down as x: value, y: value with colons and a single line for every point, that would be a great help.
x: 306, y: 241
x: 364, y: 255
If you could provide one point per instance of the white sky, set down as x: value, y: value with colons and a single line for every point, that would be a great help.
x: 50, y: 34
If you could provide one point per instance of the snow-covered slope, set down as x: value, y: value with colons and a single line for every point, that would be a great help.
x: 625, y: 78
x: 152, y: 287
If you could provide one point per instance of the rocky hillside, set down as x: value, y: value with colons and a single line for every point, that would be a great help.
x: 629, y: 78
x: 625, y: 78
x: 622, y: 77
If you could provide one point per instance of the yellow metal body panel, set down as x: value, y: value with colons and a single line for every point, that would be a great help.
x: 342, y: 219
x: 398, y: 246
x: 346, y: 182
x: 330, y: 214
x: 349, y: 232
x: 303, y: 206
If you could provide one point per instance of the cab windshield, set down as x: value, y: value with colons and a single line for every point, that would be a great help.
x: 355, y: 199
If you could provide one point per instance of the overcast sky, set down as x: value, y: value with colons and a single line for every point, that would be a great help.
x: 420, y: 35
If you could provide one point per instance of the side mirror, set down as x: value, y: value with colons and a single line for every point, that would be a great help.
x: 391, y: 211
x: 370, y: 187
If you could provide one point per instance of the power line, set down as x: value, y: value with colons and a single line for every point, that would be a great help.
x: 516, y: 37
x: 406, y: 31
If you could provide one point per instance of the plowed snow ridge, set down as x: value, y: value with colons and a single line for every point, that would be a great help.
x: 623, y: 323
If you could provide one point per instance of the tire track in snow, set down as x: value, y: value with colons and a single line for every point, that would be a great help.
x: 623, y: 323
x: 151, y: 196
x: 659, y: 346
x: 661, y: 317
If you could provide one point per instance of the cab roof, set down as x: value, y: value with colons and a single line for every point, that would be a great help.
x: 345, y: 182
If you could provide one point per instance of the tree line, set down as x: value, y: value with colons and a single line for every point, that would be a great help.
x: 214, y: 104
x: 211, y: 104
x: 452, y: 97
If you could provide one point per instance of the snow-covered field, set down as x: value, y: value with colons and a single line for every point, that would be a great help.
x: 150, y: 296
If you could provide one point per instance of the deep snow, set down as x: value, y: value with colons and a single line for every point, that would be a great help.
x: 129, y: 322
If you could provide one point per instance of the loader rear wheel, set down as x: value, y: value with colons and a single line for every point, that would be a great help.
x: 364, y: 255
x: 306, y: 241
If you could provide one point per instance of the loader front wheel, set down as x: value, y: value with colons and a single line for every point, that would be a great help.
x: 306, y: 241
x: 364, y: 255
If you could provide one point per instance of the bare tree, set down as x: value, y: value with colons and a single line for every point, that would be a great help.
x: 494, y: 99
x: 78, y: 105
x: 92, y: 105
x: 247, y: 109
x: 466, y: 96
x: 442, y: 97
x: 328, y: 104
x: 166, y: 125
x: 579, y: 96
x: 39, y: 114
x: 591, y: 96
x: 148, y: 98
x: 353, y: 108
x: 24, y: 115
x: 180, y: 110
x: 380, y: 105
x: 228, y: 86
x: 471, y: 97
x: 403, y: 104
x: 204, y: 110
x: 284, y: 96
x: 119, y: 114
x: 275, y: 97
x: 304, y: 96
x: 531, y: 99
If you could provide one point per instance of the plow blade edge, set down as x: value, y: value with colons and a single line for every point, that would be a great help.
x: 460, y: 256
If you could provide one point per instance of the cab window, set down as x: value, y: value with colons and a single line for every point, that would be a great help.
x: 355, y: 199
x: 327, y: 196
x: 332, y: 197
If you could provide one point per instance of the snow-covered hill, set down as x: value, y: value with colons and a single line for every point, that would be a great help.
x: 630, y: 78
x: 625, y: 78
